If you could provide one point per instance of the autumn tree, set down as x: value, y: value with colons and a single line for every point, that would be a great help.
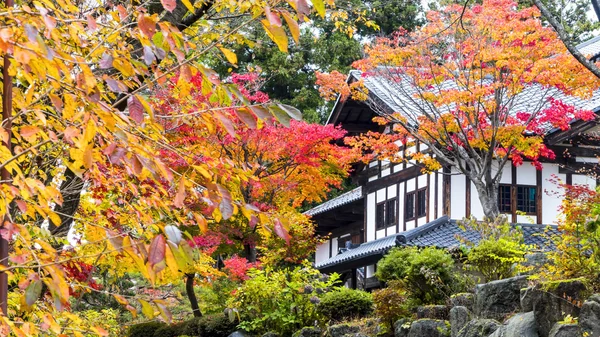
x: 477, y: 86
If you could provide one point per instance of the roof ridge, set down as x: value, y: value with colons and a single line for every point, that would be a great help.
x: 421, y: 230
x: 588, y: 42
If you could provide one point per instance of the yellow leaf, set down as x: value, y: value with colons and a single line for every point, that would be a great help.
x: 319, y: 7
x: 293, y: 26
x: 229, y: 55
x: 147, y: 309
x: 203, y: 171
x: 188, y: 5
x: 277, y: 34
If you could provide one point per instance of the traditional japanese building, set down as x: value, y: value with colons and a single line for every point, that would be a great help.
x: 399, y: 205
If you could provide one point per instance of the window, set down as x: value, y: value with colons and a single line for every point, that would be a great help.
x: 504, y: 203
x: 421, y: 202
x: 409, y: 206
x: 380, y: 215
x: 526, y: 199
x: 390, y: 212
x: 386, y: 213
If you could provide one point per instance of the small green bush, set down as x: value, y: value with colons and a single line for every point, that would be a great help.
x: 144, y: 329
x: 191, y: 327
x: 344, y: 303
x: 173, y: 330
x: 391, y: 304
x: 495, y: 258
x: 427, y: 274
x: 217, y: 325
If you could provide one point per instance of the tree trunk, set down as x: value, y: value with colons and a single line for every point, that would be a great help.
x: 250, y: 252
x: 189, y: 289
x: 488, y: 196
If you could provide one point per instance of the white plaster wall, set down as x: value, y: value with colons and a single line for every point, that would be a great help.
x: 380, y: 195
x: 551, y: 192
x: 334, y: 247
x: 370, y: 270
x: 457, y: 197
x: 391, y: 230
x: 372, y: 178
x: 401, y: 207
x: 580, y: 179
x: 476, y: 208
x: 526, y: 174
x: 392, y: 191
x: 397, y: 168
x: 322, y: 252
x: 410, y: 225
x: 526, y: 219
x: 380, y: 234
x: 370, y: 235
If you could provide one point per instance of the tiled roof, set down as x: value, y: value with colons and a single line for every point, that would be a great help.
x: 378, y: 246
x: 399, y: 95
x: 346, y: 198
x: 440, y: 233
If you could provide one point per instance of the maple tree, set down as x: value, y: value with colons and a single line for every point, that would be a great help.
x: 478, y: 86
x: 71, y: 69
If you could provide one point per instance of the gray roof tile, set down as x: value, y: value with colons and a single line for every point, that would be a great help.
x: 344, y: 199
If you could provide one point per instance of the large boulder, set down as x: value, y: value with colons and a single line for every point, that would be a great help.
x: 463, y: 300
x: 433, y: 312
x: 520, y: 325
x: 308, y: 332
x: 340, y: 330
x: 555, y: 301
x: 564, y: 330
x: 402, y: 327
x: 589, y: 317
x: 459, y: 317
x: 271, y: 334
x: 497, y: 299
x: 479, y: 328
x: 528, y: 297
x: 429, y: 328
x: 240, y: 333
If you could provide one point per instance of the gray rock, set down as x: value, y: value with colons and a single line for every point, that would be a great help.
x: 479, y: 328
x: 308, y: 332
x: 463, y: 300
x: 520, y: 325
x: 402, y: 327
x: 340, y: 330
x: 429, y: 328
x: 535, y: 261
x: 589, y: 317
x: 528, y: 296
x: 459, y: 317
x: 433, y: 312
x: 270, y: 334
x: 240, y: 333
x: 357, y: 334
x: 497, y: 299
x: 551, y: 306
x: 564, y: 330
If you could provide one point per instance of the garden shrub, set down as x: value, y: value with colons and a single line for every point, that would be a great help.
x: 217, y: 325
x: 173, y: 330
x: 191, y: 327
x: 391, y: 304
x: 144, y: 329
x: 282, y: 300
x: 427, y: 274
x: 344, y: 303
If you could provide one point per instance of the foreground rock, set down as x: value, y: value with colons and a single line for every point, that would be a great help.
x: 240, y: 333
x: 463, y: 300
x: 308, y: 332
x: 429, y: 328
x: 402, y: 327
x: 589, y: 317
x: 433, y: 312
x: 520, y: 325
x: 341, y: 330
x: 459, y: 317
x: 479, y: 328
x: 552, y: 305
x: 528, y: 297
x: 564, y: 330
x: 497, y: 299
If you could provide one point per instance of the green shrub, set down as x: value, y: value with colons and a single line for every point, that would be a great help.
x: 495, y: 258
x: 428, y: 274
x: 391, y: 304
x: 281, y: 301
x: 217, y: 325
x: 173, y: 330
x: 191, y: 327
x: 344, y: 303
x: 144, y: 329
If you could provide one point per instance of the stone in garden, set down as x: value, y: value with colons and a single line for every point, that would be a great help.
x: 429, y: 328
x: 459, y: 317
x: 433, y: 312
x: 528, y: 296
x: 497, y: 299
x: 402, y: 327
x: 535, y: 261
x: 479, y: 328
x: 520, y: 325
x: 308, y: 332
x: 270, y: 334
x: 240, y: 333
x: 340, y: 330
x: 564, y: 330
x: 463, y: 300
x: 589, y: 317
x: 552, y: 305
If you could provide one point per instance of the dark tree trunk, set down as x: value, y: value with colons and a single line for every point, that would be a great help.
x: 189, y: 289
x: 250, y: 252
x: 488, y: 196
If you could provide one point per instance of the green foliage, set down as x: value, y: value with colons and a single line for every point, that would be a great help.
x: 495, y: 258
x: 173, y: 330
x: 144, y: 329
x: 427, y: 274
x: 282, y: 301
x: 391, y: 303
x: 212, y: 297
x: 344, y: 303
x: 217, y: 325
